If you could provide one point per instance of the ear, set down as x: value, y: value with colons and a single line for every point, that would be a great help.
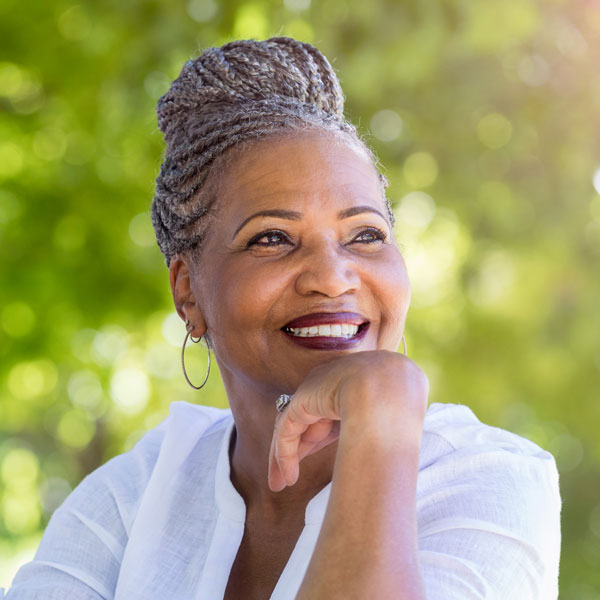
x: 185, y: 302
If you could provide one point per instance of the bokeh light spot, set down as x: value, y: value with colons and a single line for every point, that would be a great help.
x: 109, y: 346
x: 141, y: 231
x: 27, y: 380
x: 162, y: 361
x: 173, y: 329
x: 18, y: 319
x: 420, y: 170
x: 74, y: 24
x: 494, y: 282
x: 434, y: 259
x: 21, y: 512
x: 569, y: 40
x: 416, y: 209
x: 250, y: 22
x: 202, y: 10
x: 491, y: 26
x: 11, y: 78
x: 156, y: 84
x: 297, y: 5
x: 567, y: 450
x: 386, y: 125
x: 596, y: 180
x: 533, y: 70
x: 20, y: 468
x: 85, y: 390
x: 494, y: 130
x: 11, y: 159
x: 130, y: 389
x: 50, y: 144
x: 75, y: 428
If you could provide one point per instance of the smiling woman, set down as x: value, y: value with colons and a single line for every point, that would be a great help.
x: 329, y: 477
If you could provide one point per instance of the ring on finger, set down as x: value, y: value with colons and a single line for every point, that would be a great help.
x: 283, y: 401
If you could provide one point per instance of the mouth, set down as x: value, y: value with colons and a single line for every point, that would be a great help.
x: 327, y: 331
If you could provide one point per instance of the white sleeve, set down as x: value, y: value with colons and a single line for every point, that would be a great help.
x: 80, y: 554
x: 489, y: 524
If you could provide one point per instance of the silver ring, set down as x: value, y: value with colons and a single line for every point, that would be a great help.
x: 282, y: 402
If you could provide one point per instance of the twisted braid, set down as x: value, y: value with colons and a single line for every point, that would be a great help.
x: 243, y: 91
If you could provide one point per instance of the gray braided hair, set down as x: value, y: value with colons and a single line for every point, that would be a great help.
x: 229, y: 96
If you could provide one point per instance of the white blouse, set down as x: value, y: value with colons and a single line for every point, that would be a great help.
x: 164, y: 521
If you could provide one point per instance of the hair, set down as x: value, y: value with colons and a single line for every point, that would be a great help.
x: 227, y: 98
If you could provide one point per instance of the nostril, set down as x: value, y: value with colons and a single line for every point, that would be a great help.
x: 330, y: 277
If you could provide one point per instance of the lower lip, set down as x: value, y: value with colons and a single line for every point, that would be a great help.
x: 328, y: 343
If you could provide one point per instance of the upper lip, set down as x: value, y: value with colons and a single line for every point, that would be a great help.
x: 326, y: 318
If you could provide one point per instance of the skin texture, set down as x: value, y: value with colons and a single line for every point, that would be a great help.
x: 254, y: 276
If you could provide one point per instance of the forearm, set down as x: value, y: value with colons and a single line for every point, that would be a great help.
x: 368, y: 542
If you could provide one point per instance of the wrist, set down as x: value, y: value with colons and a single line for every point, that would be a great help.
x: 382, y: 427
x: 390, y: 399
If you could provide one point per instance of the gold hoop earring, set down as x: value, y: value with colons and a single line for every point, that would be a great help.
x: 189, y: 328
x: 404, y: 344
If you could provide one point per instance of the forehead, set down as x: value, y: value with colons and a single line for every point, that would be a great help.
x: 307, y: 169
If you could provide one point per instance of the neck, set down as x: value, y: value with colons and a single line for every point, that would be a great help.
x: 254, y: 415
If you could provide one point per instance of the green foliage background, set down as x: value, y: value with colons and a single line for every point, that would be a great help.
x: 485, y: 117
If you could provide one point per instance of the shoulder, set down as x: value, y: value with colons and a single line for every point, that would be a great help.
x: 453, y: 428
x: 457, y: 447
x: 489, y: 502
x: 126, y: 476
x: 82, y: 549
x: 172, y: 439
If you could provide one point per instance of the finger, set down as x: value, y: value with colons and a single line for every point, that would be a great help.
x: 275, y: 479
x: 329, y: 434
x: 315, y: 437
x: 286, y: 450
x: 283, y: 459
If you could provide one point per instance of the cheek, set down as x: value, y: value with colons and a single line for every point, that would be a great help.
x: 392, y: 278
x: 244, y: 296
x: 393, y: 293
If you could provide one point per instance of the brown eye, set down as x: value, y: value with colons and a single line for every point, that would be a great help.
x: 273, y: 237
x: 370, y: 235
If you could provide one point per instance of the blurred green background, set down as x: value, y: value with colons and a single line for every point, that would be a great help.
x: 485, y: 115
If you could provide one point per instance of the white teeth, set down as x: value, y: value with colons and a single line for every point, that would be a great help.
x: 324, y: 330
x: 344, y: 330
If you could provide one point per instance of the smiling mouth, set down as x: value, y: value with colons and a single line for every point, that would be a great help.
x: 327, y: 331
x: 332, y: 330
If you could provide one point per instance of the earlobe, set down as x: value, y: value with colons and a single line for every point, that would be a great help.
x: 185, y: 301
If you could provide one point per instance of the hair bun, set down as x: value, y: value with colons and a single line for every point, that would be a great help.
x: 280, y: 71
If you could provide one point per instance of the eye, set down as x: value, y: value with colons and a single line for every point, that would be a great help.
x: 370, y: 235
x: 273, y: 237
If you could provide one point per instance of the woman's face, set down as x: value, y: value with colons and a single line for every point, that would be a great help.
x: 300, y: 265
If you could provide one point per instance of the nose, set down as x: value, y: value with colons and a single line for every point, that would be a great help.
x: 327, y: 269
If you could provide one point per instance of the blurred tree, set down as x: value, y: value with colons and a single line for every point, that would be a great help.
x: 484, y: 117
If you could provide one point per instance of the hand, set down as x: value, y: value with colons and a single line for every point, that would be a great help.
x: 362, y: 381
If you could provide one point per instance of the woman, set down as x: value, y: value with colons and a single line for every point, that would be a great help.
x: 329, y: 478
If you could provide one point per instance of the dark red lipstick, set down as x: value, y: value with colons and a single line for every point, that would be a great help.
x: 326, y: 342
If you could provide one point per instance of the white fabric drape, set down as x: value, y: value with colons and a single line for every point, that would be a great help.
x: 165, y: 521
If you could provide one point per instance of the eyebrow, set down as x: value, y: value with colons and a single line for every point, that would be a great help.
x: 274, y: 212
x: 296, y: 216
